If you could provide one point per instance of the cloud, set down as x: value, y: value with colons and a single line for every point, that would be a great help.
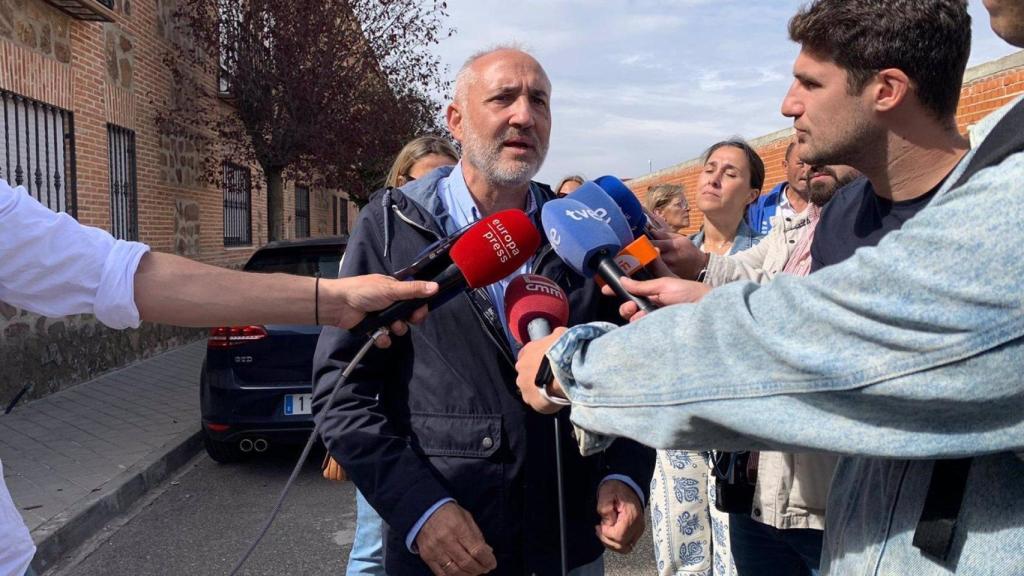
x: 654, y: 80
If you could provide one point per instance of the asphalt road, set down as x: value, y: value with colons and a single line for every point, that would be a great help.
x: 201, y: 522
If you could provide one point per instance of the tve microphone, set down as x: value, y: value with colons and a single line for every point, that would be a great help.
x: 487, y: 251
x: 534, y: 305
x: 592, y: 196
x: 586, y: 244
x: 627, y: 202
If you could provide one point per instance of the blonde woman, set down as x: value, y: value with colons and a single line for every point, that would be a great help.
x: 418, y: 158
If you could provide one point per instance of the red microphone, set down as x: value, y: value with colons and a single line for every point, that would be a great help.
x: 487, y: 251
x: 533, y: 306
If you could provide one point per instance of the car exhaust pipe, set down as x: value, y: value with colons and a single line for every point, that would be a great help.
x: 260, y: 445
x: 245, y: 445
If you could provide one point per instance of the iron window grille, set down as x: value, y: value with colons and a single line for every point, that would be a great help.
x: 301, y: 211
x: 39, y: 151
x: 124, y: 192
x: 237, y: 205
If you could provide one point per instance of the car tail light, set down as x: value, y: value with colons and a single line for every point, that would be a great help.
x: 230, y: 336
x: 217, y: 427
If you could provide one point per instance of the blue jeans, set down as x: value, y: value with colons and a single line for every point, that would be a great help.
x: 762, y: 550
x: 367, y: 555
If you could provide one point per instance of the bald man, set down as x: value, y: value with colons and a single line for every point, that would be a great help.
x: 433, y: 432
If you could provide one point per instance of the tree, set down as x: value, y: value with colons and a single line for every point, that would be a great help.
x: 324, y: 92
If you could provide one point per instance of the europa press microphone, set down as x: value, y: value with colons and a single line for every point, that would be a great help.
x: 533, y: 306
x: 636, y: 253
x: 587, y: 244
x: 484, y: 253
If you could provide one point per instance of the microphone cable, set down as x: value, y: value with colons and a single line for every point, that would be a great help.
x: 305, y: 451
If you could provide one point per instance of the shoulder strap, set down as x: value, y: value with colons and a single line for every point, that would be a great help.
x: 1006, y: 138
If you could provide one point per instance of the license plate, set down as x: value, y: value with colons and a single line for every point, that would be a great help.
x: 296, y: 404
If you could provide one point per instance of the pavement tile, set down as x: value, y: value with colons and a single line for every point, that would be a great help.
x: 60, y: 449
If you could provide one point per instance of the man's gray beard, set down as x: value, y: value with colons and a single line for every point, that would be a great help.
x: 488, y: 160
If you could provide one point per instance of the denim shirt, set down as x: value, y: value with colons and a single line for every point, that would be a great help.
x: 745, y: 238
x: 907, y: 352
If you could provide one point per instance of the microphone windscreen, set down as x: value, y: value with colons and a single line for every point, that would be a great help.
x: 529, y: 297
x: 495, y: 247
x: 576, y: 234
x: 627, y: 202
x: 592, y: 196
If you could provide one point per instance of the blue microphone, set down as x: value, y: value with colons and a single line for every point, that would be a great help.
x: 592, y: 196
x: 587, y: 244
x: 627, y: 203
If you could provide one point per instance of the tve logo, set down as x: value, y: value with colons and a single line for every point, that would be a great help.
x: 589, y: 214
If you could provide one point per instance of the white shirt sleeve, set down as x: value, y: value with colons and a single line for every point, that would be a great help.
x: 53, y: 266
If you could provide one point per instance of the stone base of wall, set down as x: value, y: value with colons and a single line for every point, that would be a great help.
x: 56, y: 353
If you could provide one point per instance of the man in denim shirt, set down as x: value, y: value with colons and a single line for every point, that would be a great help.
x: 901, y: 356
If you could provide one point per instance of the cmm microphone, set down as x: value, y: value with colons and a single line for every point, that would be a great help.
x: 534, y: 305
x: 587, y: 244
x: 486, y: 252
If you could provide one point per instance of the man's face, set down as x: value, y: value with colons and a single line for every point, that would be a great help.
x: 832, y: 126
x: 823, y: 181
x: 503, y: 119
x: 796, y: 173
x: 1007, y: 19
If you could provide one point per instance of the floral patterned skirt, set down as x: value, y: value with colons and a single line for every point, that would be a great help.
x: 691, y: 537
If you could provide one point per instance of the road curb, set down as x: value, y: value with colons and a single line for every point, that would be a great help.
x: 60, y: 535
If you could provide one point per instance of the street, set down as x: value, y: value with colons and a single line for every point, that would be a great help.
x: 202, y: 520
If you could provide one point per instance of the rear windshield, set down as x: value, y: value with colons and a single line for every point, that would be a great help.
x: 300, y: 262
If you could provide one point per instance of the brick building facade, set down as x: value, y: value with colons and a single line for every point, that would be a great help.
x: 986, y: 88
x: 80, y: 86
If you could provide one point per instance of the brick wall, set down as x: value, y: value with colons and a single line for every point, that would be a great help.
x: 986, y: 88
x: 113, y: 72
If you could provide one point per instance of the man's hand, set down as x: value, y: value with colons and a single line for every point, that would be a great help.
x: 660, y: 291
x: 622, y: 516
x: 451, y: 544
x: 530, y: 358
x: 344, y: 302
x: 682, y: 257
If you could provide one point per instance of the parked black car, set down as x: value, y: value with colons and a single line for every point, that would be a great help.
x: 256, y: 385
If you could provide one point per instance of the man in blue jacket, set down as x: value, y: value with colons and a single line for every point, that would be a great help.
x: 433, y: 432
x: 788, y: 198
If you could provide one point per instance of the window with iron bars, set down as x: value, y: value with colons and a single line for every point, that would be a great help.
x: 237, y: 205
x: 339, y: 215
x: 301, y: 211
x: 124, y: 192
x: 38, y: 151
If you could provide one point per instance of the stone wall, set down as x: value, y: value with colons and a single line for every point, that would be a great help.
x: 49, y: 353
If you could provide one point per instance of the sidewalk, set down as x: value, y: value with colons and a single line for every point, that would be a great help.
x: 77, y: 458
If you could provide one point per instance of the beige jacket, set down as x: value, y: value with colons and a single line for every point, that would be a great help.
x: 791, y: 488
x: 765, y: 260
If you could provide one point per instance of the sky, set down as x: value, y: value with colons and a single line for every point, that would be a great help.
x: 647, y: 84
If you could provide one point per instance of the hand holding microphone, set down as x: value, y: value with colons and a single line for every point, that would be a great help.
x: 660, y: 291
x: 536, y: 310
x: 486, y: 252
